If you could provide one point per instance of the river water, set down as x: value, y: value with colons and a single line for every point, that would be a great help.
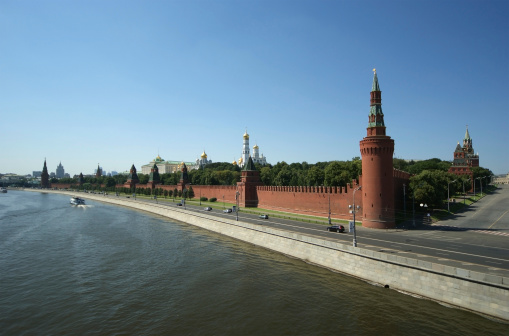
x: 105, y: 270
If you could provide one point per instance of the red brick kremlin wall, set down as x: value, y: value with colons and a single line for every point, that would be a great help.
x: 217, y: 191
x: 304, y: 200
x: 310, y: 200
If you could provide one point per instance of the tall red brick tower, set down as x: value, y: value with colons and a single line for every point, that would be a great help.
x: 377, y: 168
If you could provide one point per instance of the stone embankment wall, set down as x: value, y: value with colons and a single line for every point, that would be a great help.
x: 478, y: 292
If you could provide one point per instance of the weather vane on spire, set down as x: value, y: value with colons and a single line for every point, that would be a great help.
x: 374, y: 71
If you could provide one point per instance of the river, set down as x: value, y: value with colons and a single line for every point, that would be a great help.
x: 105, y: 270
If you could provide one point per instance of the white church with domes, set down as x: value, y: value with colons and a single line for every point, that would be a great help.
x: 256, y: 157
x: 202, y: 161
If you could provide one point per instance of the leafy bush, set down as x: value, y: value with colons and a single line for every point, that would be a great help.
x: 213, y: 199
x: 203, y: 199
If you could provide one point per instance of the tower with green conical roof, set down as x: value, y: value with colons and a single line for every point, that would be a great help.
x: 154, y: 177
x: 246, y: 188
x: 377, y: 180
x: 132, y: 179
x: 184, y: 177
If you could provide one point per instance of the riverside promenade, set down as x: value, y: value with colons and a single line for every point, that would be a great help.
x: 467, y: 285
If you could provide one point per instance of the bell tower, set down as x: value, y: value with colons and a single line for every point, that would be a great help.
x: 377, y: 168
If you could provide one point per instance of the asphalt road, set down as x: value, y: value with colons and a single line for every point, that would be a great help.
x: 476, y: 239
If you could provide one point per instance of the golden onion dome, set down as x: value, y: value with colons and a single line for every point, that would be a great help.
x: 255, y: 147
x: 234, y: 163
x: 246, y: 136
x: 204, y: 155
x: 240, y: 160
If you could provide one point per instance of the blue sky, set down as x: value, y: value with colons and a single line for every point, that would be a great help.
x: 119, y: 82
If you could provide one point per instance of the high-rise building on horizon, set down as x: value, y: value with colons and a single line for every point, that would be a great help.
x: 60, y: 172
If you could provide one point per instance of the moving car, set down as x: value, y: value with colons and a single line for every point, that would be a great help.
x: 207, y: 208
x: 264, y: 216
x: 227, y: 210
x: 336, y: 228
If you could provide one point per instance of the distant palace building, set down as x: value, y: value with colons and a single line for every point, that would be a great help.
x: 167, y: 167
x: 464, y: 158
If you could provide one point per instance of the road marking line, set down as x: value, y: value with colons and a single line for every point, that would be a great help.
x: 498, y: 219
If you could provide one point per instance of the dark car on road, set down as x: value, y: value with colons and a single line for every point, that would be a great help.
x: 264, y: 216
x: 207, y: 209
x: 336, y: 228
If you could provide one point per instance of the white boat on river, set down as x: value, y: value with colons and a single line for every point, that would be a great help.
x: 75, y: 200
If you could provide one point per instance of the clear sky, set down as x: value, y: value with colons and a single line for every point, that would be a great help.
x: 119, y: 82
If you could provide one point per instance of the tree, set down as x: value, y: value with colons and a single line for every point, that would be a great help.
x: 315, y: 176
x: 337, y: 174
x: 284, y: 176
x: 431, y: 164
x: 191, y: 192
x: 266, y: 176
x: 143, y: 178
x: 431, y: 186
x: 110, y: 182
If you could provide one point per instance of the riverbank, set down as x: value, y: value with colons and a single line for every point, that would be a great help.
x: 475, y: 291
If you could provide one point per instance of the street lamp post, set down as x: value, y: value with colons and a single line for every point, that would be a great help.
x: 237, y: 203
x: 354, y: 211
x: 464, y: 190
x: 404, y: 201
x: 474, y: 187
x: 425, y: 207
x: 448, y: 198
x: 329, y: 209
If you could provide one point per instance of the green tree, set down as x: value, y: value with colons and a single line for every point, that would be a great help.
x: 284, y: 176
x: 315, y: 176
x: 110, y: 182
x: 336, y: 174
x: 431, y: 186
x: 266, y: 176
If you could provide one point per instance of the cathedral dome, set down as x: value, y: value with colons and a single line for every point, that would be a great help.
x: 234, y: 163
x: 204, y: 155
x: 255, y: 147
x: 246, y: 136
x: 158, y: 159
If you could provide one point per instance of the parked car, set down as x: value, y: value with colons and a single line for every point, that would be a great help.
x: 207, y: 209
x: 336, y: 228
x: 179, y: 204
x: 227, y: 210
x: 264, y: 216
